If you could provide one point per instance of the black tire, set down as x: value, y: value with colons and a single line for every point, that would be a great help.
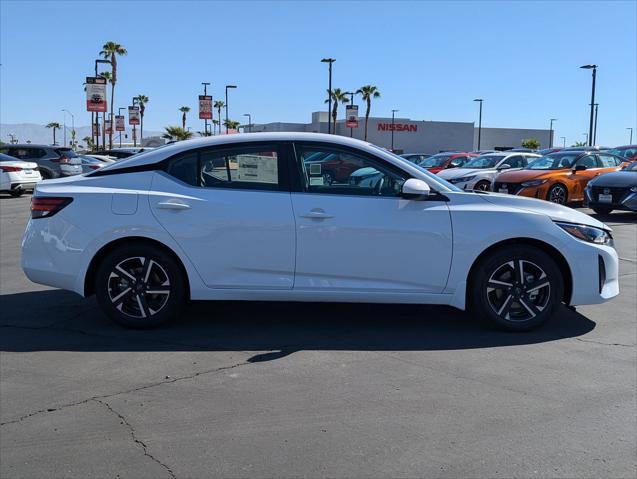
x: 602, y: 210
x: 46, y: 174
x: 134, y: 296
x: 557, y: 194
x: 16, y: 193
x: 482, y: 185
x: 499, y: 295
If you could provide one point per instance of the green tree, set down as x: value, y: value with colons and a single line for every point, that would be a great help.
x: 368, y: 92
x: 231, y: 124
x: 337, y: 96
x: 176, y: 133
x: 141, y: 101
x: 219, y: 105
x: 531, y: 143
x: 184, y: 110
x: 89, y: 142
x: 54, y: 125
x: 580, y: 143
x: 111, y: 51
x: 216, y: 123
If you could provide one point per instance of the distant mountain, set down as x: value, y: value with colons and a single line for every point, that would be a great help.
x: 34, y: 133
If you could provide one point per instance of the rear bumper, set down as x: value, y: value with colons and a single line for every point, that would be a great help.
x: 26, y: 185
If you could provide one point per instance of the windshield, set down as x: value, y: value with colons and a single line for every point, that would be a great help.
x: 554, y: 161
x: 486, y: 161
x: 66, y: 152
x: 434, y: 161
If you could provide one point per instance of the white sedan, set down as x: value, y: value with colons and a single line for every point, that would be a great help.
x: 479, y: 173
x: 17, y: 176
x: 248, y: 217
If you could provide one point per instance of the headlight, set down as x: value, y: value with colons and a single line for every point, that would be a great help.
x: 463, y: 179
x: 534, y: 183
x: 590, y: 234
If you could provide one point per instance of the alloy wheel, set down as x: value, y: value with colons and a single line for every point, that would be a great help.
x: 557, y: 195
x: 518, y: 290
x: 139, y: 287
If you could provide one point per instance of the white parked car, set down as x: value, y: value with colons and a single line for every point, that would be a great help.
x: 248, y: 217
x: 479, y: 173
x: 17, y: 176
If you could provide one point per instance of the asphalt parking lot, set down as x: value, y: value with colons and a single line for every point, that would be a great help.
x: 329, y: 390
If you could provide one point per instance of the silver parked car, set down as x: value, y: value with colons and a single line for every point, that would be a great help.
x: 52, y: 161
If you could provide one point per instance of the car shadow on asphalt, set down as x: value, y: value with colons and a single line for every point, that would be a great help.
x: 55, y: 320
x: 617, y: 218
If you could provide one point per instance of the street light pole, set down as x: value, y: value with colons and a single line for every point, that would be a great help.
x: 329, y: 93
x: 227, y: 86
x: 479, y: 122
x: 590, y: 128
x: 119, y: 113
x: 72, y: 127
x: 393, y: 114
x: 595, y: 128
x: 564, y: 141
x: 205, y: 92
x: 587, y: 137
x: 551, y: 133
x: 64, y: 127
x: 249, y: 123
x: 631, y: 135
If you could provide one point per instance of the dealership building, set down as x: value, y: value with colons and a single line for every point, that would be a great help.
x: 413, y: 136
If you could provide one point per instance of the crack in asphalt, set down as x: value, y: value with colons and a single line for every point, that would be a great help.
x: 605, y: 344
x: 127, y: 391
x: 131, y: 430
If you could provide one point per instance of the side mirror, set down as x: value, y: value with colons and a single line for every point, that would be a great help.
x: 504, y: 167
x: 579, y: 167
x: 414, y: 189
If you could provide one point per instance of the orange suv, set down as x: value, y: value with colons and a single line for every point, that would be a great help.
x: 559, y: 177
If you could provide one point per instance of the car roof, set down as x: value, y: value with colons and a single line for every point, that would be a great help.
x: 32, y: 145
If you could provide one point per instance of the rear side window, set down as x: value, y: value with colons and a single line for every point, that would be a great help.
x: 23, y: 153
x: 609, y: 161
x: 588, y: 161
x: 241, y: 167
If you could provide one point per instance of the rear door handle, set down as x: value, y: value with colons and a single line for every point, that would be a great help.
x: 317, y: 214
x: 173, y: 205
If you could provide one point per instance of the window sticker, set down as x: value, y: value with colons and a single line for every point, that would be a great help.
x: 256, y: 168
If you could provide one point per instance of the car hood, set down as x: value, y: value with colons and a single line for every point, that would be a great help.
x: 616, y: 178
x: 554, y: 211
x: 460, y: 172
x: 519, y: 176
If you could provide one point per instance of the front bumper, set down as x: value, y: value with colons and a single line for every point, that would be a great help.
x: 622, y: 198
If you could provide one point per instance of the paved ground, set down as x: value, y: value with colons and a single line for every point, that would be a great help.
x: 282, y: 390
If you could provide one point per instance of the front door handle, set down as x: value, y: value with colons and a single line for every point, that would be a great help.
x: 317, y: 214
x: 173, y: 205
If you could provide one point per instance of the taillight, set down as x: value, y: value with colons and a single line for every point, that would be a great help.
x: 45, y: 206
x: 94, y: 167
x: 7, y: 169
x: 61, y: 159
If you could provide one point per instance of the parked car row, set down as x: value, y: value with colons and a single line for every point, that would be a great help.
x: 559, y: 175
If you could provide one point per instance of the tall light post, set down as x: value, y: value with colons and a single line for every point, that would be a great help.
x: 64, y: 128
x: 551, y: 133
x: 72, y: 127
x: 479, y: 122
x: 393, y: 114
x: 205, y: 93
x: 329, y: 90
x: 587, y: 137
x: 595, y: 127
x: 590, y: 128
x: 228, y: 86
x: 631, y: 135
x: 119, y: 113
x: 249, y: 122
x: 563, y: 141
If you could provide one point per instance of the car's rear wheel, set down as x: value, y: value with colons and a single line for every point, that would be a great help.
x: 517, y: 288
x: 140, y: 286
x: 482, y: 185
x: 557, y: 194
x: 602, y: 210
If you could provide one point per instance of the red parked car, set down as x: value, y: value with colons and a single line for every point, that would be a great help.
x: 448, y: 159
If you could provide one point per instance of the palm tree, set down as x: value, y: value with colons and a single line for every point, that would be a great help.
x: 184, y: 110
x: 368, y: 92
x: 110, y: 50
x: 141, y: 101
x: 231, y: 124
x: 219, y: 105
x: 89, y: 142
x: 55, y: 126
x: 337, y: 95
x: 176, y: 133
x: 214, y: 123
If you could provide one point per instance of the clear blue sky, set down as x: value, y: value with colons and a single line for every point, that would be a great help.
x: 429, y: 59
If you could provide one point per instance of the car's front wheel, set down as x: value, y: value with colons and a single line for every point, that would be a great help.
x: 557, y: 194
x: 140, y: 286
x: 482, y: 185
x: 517, y: 288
